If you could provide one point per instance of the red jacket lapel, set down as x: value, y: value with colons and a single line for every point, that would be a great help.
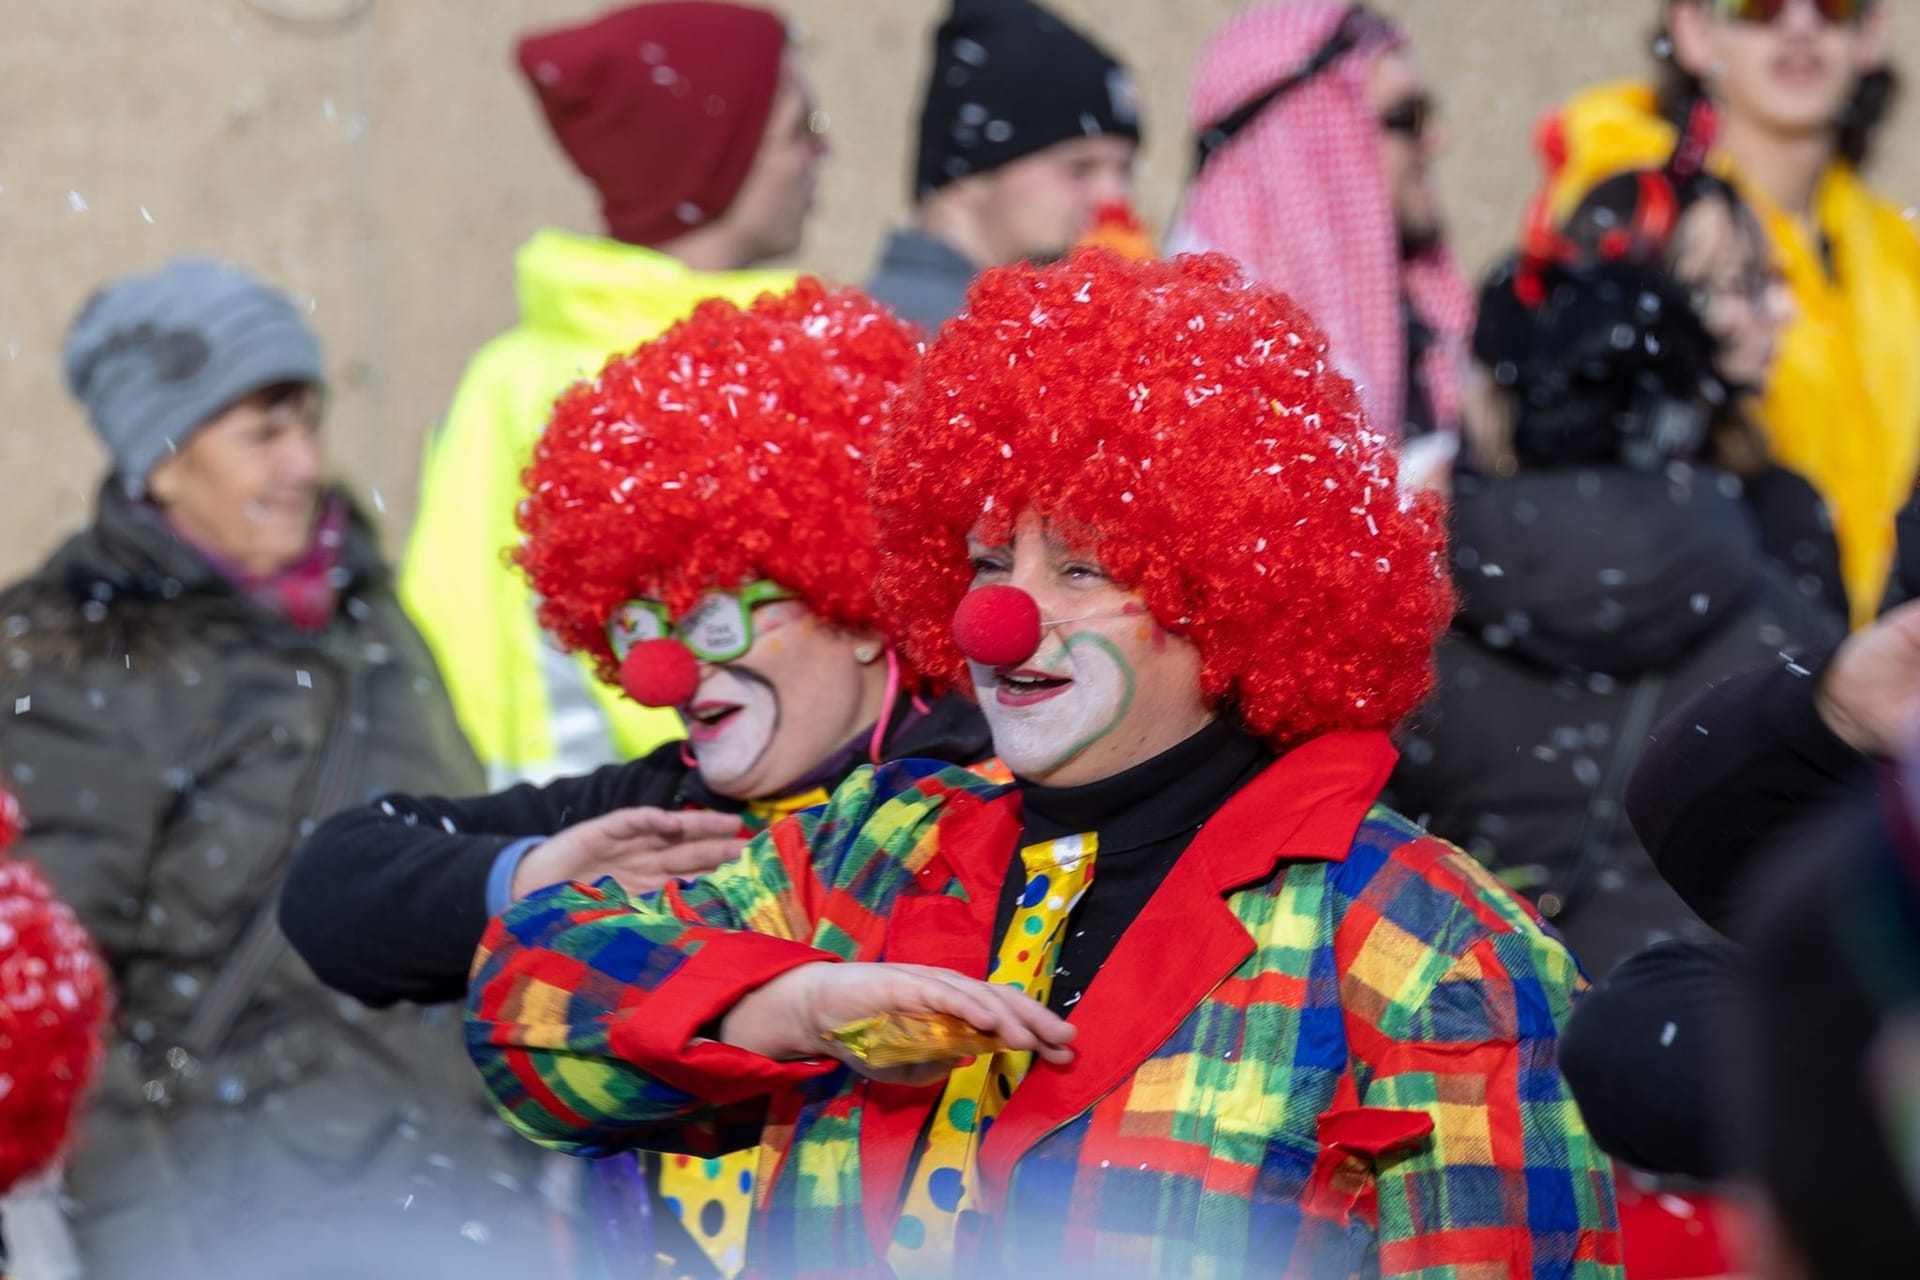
x: 1306, y: 806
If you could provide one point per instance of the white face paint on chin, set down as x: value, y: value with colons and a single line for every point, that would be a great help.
x: 1041, y: 727
x: 730, y: 724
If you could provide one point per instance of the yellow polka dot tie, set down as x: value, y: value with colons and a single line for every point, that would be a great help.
x: 714, y: 1198
x: 946, y: 1175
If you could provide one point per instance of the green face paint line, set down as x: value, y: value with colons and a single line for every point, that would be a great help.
x: 1125, y: 669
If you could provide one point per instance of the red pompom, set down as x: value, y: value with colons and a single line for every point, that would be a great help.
x: 660, y: 673
x: 53, y: 1002
x: 997, y: 626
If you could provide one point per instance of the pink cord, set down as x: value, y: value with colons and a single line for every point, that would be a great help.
x: 686, y: 756
x: 886, y: 714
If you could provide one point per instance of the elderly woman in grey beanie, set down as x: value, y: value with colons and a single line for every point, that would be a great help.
x: 217, y: 662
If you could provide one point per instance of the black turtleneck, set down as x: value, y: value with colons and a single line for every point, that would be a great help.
x: 1145, y: 817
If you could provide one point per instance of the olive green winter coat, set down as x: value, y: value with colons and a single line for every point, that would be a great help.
x: 171, y: 741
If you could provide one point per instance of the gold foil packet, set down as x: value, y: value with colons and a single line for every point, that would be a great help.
x: 908, y: 1039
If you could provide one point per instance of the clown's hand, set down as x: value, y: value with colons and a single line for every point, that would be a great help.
x: 642, y: 848
x: 791, y: 1016
x: 1869, y: 694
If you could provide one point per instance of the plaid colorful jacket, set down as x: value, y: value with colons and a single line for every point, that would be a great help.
x: 1325, y: 1048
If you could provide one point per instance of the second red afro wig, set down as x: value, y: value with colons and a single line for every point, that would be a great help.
x: 53, y: 1004
x: 736, y: 446
x: 1192, y: 426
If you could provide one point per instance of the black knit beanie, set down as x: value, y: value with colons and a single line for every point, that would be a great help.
x: 1010, y: 79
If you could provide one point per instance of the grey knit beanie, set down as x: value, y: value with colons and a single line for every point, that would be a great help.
x: 153, y: 357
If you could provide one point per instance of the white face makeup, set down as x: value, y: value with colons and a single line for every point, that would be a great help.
x: 1107, y: 689
x: 759, y: 724
x: 1073, y: 692
x: 730, y: 724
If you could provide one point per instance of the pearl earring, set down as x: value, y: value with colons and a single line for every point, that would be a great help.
x: 865, y: 653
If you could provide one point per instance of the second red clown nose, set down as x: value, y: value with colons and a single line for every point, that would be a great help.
x: 660, y: 673
x: 997, y: 626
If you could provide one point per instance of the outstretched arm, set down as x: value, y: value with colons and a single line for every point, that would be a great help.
x: 388, y: 901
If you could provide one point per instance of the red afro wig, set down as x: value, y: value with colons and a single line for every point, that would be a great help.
x: 53, y: 1003
x: 734, y: 447
x: 1192, y: 427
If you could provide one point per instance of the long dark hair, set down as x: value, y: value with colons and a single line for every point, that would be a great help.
x: 1733, y: 441
x: 1873, y: 98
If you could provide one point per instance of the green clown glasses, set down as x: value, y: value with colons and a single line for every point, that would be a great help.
x: 719, y: 627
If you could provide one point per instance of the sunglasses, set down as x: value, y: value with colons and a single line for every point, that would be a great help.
x: 719, y: 627
x: 1409, y: 118
x: 1834, y: 11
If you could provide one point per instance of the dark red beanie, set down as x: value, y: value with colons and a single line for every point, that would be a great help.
x: 661, y: 106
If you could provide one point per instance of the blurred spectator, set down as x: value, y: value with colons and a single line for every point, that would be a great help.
x: 1028, y: 128
x: 1768, y: 803
x: 213, y: 665
x: 1801, y: 88
x: 694, y: 124
x: 1710, y: 244
x: 1603, y: 577
x: 1316, y: 137
x: 53, y: 1008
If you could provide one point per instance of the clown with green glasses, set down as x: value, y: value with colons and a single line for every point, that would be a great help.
x: 719, y: 627
x: 696, y: 522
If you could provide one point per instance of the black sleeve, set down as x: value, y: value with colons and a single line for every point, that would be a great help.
x: 1903, y: 584
x: 388, y: 901
x: 1731, y: 772
x: 1643, y: 1052
x: 1812, y: 1123
x: 1797, y: 532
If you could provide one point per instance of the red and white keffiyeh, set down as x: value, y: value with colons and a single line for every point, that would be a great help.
x: 1300, y: 198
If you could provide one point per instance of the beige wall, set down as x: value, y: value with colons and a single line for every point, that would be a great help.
x: 385, y: 165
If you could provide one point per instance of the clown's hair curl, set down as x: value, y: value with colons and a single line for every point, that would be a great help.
x: 736, y: 446
x: 1192, y: 428
x: 53, y: 1004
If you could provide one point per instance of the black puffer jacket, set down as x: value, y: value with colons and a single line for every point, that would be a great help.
x: 1593, y: 600
x: 171, y: 741
x: 387, y: 901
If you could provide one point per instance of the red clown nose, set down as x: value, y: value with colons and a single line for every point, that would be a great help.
x: 997, y: 626
x: 660, y: 673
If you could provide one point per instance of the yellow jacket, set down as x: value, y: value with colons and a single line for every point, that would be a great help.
x: 529, y: 712
x: 1843, y: 405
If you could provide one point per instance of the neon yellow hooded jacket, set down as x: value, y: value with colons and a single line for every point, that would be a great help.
x: 1843, y: 405
x: 529, y: 712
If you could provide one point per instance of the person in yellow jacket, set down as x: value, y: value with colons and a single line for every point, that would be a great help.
x: 698, y: 134
x: 1799, y: 88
